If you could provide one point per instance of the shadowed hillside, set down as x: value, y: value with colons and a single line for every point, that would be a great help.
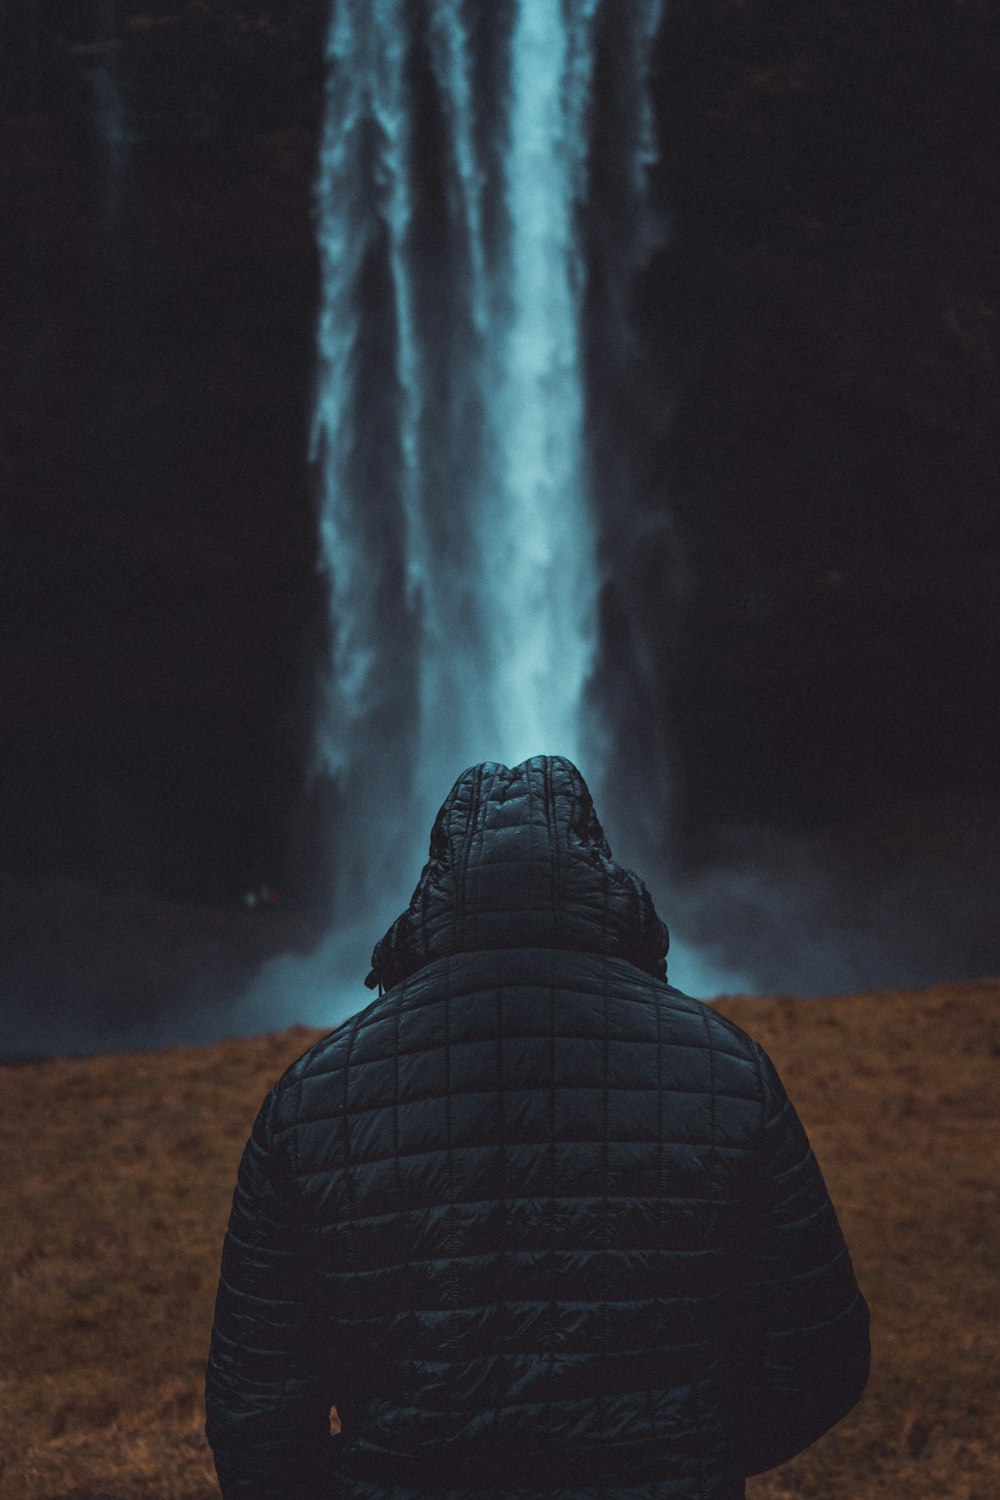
x: 119, y: 1171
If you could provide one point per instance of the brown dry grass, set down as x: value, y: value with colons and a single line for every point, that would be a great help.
x: 118, y: 1172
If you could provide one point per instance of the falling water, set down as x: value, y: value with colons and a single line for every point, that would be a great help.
x: 536, y: 538
x: 458, y: 530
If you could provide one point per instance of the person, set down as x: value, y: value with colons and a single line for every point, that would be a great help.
x: 534, y: 1223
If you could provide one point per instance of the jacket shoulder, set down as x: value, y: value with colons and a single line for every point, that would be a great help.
x: 287, y: 1098
x: 706, y: 1049
x: 715, y: 1029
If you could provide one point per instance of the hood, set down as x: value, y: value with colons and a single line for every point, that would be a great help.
x: 518, y: 859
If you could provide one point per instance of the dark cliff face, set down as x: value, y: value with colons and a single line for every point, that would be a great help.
x: 793, y: 398
x: 159, y: 583
x: 815, y: 581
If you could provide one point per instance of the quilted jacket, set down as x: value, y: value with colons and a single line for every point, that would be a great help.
x: 535, y: 1222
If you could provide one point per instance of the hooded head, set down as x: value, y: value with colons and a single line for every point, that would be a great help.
x: 518, y: 859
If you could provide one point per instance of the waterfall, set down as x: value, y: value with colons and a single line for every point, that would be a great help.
x: 458, y: 530
x: 452, y: 433
x: 536, y: 542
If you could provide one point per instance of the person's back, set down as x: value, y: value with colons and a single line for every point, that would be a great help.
x: 534, y: 1222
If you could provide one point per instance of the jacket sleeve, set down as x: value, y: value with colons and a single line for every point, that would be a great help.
x: 266, y: 1398
x: 809, y: 1354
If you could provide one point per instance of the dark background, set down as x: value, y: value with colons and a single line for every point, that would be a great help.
x: 800, y: 620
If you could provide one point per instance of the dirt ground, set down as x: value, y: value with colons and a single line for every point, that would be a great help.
x: 118, y: 1172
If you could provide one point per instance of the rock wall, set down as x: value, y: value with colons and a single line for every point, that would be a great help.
x: 813, y: 583
x: 162, y: 611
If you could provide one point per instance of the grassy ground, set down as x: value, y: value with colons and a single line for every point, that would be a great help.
x: 118, y: 1172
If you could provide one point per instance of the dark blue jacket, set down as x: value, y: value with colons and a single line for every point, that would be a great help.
x: 538, y: 1224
